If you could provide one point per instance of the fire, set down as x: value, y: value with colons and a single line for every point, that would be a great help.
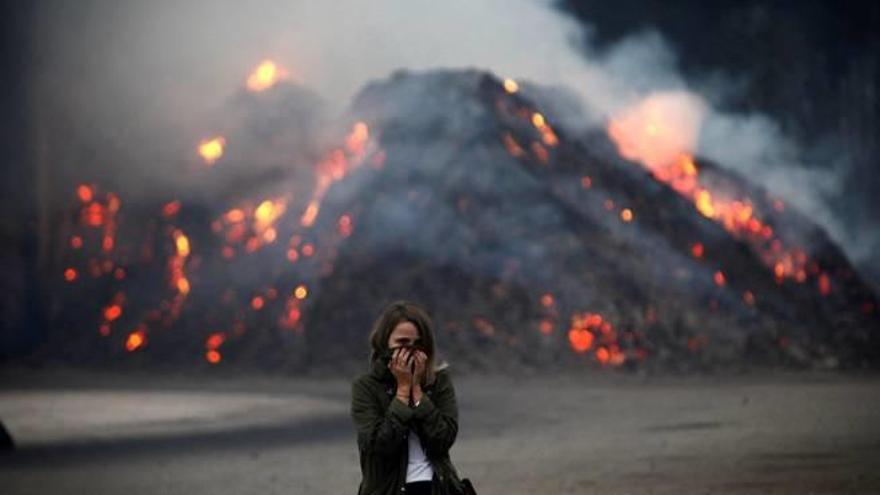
x: 112, y: 312
x: 212, y: 343
x: 135, y: 340
x: 267, y: 214
x: 308, y: 217
x: 586, y: 328
x: 356, y: 141
x: 336, y: 165
x: 626, y: 215
x: 213, y: 356
x: 580, y: 339
x: 824, y: 284
x: 511, y: 86
x: 512, y: 146
x: 70, y: 274
x: 659, y: 129
x: 212, y: 149
x: 253, y: 227
x: 301, y: 292
x: 344, y: 225
x: 171, y: 208
x: 661, y: 133
x: 84, y: 193
x: 178, y: 280
x: 547, y: 135
x: 181, y: 242
x: 586, y: 182
x: 264, y: 76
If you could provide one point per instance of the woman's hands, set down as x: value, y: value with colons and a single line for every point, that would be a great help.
x: 408, y: 367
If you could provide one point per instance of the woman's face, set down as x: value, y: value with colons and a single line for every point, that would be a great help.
x: 405, y: 333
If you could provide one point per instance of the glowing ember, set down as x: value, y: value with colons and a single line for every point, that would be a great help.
x: 586, y: 328
x: 308, y: 218
x: 540, y: 152
x: 546, y: 327
x: 547, y: 135
x: 580, y: 339
x: 824, y: 284
x: 344, y: 225
x: 602, y: 355
x: 484, y: 326
x: 70, y: 274
x: 84, y: 193
x: 697, y: 250
x: 215, y: 340
x: 301, y: 292
x: 171, y: 208
x: 112, y: 312
x: 212, y: 149
x: 264, y: 76
x: 511, y: 86
x: 182, y: 243
x: 135, y: 340
x: 719, y: 278
x: 178, y: 280
x: 547, y: 300
x: 257, y: 303
x: 512, y: 146
x: 586, y: 182
x: 626, y: 215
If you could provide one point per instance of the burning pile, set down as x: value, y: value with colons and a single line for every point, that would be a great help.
x: 451, y: 188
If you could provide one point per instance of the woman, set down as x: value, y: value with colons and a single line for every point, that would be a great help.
x: 404, y: 409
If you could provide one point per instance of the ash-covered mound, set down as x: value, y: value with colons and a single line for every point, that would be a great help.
x: 552, y: 250
x: 530, y: 244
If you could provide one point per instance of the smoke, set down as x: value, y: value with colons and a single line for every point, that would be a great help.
x: 126, y: 74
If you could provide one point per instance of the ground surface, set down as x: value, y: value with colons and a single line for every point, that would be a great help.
x: 80, y: 432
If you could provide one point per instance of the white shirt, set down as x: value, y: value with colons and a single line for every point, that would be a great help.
x: 419, y: 467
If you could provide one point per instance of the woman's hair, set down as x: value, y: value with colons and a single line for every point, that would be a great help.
x: 395, y: 313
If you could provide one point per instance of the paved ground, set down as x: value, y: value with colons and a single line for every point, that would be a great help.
x: 92, y: 433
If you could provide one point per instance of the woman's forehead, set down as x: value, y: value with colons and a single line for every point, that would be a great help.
x: 405, y: 329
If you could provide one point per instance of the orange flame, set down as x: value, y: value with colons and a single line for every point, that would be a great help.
x: 659, y: 129
x: 264, y: 76
x: 660, y: 133
x: 212, y: 149
x: 135, y: 340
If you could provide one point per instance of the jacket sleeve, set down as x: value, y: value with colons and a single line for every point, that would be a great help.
x: 436, y: 420
x: 379, y: 431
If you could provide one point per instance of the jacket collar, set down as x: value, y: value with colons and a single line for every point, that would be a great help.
x: 381, y: 371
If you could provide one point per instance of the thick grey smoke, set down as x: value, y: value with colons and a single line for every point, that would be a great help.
x: 125, y: 73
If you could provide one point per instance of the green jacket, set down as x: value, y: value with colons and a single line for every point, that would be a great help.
x: 383, y: 423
